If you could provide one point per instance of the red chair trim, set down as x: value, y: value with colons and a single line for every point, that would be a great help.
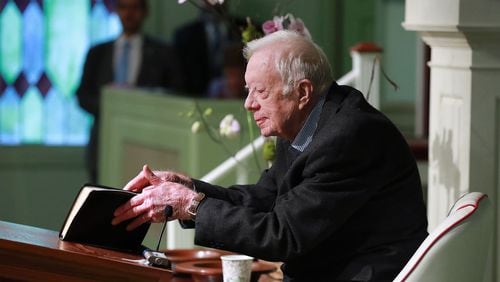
x: 444, y: 232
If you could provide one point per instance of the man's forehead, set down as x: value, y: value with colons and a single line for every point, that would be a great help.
x: 262, y: 59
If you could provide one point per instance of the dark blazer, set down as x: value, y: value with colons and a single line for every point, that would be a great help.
x: 159, y: 69
x: 197, y: 60
x: 348, y: 208
x: 191, y: 44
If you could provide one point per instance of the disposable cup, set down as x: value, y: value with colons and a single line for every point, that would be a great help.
x: 236, y: 268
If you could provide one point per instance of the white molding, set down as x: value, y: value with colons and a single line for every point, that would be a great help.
x: 451, y: 28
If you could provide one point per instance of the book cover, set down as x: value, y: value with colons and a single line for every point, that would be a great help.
x: 89, y: 220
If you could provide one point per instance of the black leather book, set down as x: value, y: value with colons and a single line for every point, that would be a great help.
x: 89, y: 220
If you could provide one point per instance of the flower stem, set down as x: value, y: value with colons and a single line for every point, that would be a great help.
x: 205, y: 124
x: 252, y: 138
x: 210, y: 132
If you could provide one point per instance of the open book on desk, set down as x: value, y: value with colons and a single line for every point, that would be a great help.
x: 89, y: 220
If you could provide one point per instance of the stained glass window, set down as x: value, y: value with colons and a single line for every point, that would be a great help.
x: 43, y: 44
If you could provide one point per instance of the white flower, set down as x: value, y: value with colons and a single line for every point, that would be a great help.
x: 229, y: 127
x: 196, y: 127
x: 181, y: 1
x: 214, y: 2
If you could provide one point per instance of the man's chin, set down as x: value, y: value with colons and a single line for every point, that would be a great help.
x: 265, y: 133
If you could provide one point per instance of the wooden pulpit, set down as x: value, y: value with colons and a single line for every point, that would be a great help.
x: 33, y: 254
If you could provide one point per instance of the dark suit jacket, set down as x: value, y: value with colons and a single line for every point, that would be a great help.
x: 159, y: 69
x: 349, y: 208
x: 197, y: 60
x: 191, y: 44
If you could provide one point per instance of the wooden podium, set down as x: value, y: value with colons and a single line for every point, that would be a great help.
x: 33, y: 254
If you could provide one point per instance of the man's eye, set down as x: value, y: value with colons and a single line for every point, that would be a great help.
x: 255, y: 91
x: 263, y: 95
x: 260, y: 91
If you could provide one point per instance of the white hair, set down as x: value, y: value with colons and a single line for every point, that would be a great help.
x: 298, y: 58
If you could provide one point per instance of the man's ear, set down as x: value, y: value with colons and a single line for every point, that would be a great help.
x: 305, y: 89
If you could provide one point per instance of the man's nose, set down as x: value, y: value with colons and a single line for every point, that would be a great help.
x: 250, y: 103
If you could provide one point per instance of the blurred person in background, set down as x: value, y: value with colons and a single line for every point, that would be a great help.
x: 133, y: 59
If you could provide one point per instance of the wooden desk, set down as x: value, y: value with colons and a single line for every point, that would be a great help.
x: 33, y: 254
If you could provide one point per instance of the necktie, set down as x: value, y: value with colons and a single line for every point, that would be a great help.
x: 121, y: 72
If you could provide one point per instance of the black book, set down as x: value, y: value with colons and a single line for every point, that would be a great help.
x: 89, y: 220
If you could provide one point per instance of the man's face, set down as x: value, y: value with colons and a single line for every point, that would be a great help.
x: 132, y: 14
x: 274, y: 113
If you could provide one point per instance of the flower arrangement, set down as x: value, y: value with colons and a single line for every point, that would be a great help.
x: 286, y: 22
x: 229, y: 127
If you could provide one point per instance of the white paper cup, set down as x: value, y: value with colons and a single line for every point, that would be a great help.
x: 236, y: 268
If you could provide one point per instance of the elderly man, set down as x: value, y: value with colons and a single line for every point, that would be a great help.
x: 343, y: 199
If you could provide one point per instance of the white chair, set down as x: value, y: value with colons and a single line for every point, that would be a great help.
x: 459, y: 249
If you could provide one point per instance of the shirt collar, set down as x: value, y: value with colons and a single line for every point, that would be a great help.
x: 306, y: 133
x: 134, y: 39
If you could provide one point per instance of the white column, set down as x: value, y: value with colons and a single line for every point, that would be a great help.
x: 179, y: 238
x: 464, y: 131
x: 366, y: 65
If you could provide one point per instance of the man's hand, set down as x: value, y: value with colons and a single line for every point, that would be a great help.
x: 147, y: 178
x: 151, y: 203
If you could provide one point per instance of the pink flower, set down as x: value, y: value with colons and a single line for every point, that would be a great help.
x: 269, y: 27
x: 288, y: 22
